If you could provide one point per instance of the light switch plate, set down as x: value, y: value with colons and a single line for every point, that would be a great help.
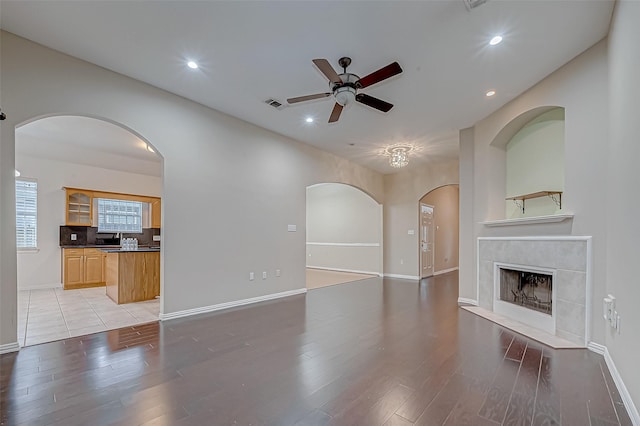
x: 411, y: 232
x: 292, y: 228
x: 157, y: 238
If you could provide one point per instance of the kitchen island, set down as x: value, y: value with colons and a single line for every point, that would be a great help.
x: 132, y: 275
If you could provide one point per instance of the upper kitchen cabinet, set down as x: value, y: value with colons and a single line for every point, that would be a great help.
x: 79, y: 207
x: 156, y: 205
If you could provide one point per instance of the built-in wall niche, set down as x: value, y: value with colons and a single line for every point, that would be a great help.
x: 535, y: 167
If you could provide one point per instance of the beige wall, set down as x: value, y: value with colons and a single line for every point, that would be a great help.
x: 623, y: 226
x: 402, y: 196
x: 212, y: 235
x: 344, y: 229
x: 445, y: 201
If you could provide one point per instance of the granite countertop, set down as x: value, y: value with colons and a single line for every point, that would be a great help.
x: 139, y: 249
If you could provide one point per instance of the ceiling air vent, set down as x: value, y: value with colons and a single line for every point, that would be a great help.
x: 472, y: 4
x: 274, y: 103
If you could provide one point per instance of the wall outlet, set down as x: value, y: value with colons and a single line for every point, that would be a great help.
x: 277, y: 272
x: 74, y: 237
x: 264, y: 275
x: 157, y: 238
x: 251, y: 276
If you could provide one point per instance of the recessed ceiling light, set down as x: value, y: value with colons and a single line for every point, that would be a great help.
x: 490, y: 93
x: 495, y: 40
x: 17, y: 173
x: 192, y: 65
x: 309, y: 120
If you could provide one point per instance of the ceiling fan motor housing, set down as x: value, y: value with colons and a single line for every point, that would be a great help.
x: 345, y: 92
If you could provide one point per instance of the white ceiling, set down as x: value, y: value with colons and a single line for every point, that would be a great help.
x: 251, y: 51
x: 88, y: 141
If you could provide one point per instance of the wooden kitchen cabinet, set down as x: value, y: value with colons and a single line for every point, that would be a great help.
x: 83, y: 268
x: 156, y: 208
x: 79, y: 207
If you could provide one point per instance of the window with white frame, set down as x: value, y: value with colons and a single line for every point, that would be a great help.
x: 26, y: 213
x: 119, y: 216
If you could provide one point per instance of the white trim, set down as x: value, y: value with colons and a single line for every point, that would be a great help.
x: 403, y: 277
x: 227, y: 305
x: 9, y: 347
x: 445, y: 271
x: 632, y: 410
x: 354, y: 271
x: 541, y: 238
x: 345, y: 244
x: 552, y: 218
x: 39, y: 286
x: 596, y: 347
x: 465, y: 301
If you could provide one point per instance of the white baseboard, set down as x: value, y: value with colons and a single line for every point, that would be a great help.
x: 227, y: 305
x: 632, y: 410
x: 596, y: 347
x: 354, y: 271
x: 465, y: 301
x: 403, y: 277
x: 445, y: 271
x: 39, y: 286
x: 9, y: 347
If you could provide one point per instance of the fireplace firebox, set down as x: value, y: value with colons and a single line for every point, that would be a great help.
x: 529, y: 289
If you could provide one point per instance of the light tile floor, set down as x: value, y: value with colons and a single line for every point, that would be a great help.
x: 54, y: 314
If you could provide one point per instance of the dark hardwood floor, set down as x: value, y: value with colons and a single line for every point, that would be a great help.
x: 370, y: 352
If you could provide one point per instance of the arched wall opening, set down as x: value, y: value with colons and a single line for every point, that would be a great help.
x: 343, y: 230
x: 91, y: 153
x: 534, y: 145
x: 438, y: 240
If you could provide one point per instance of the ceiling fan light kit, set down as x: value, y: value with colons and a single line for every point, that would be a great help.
x: 345, y: 87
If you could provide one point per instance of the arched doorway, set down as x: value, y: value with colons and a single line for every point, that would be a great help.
x: 343, y: 235
x: 102, y: 158
x: 439, y: 233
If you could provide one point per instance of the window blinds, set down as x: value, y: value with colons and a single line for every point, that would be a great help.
x: 26, y: 213
x: 119, y: 216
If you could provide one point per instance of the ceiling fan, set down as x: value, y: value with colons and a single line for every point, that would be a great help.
x: 345, y: 86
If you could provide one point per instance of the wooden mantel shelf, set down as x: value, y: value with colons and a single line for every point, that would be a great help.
x: 556, y: 196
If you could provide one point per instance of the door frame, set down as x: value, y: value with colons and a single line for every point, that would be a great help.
x: 433, y: 244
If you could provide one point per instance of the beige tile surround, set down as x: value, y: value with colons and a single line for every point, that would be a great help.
x: 568, y: 256
x: 54, y: 314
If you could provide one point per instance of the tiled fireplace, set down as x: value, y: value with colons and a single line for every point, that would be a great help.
x: 543, y: 282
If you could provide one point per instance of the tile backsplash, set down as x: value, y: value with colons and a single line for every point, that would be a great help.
x: 88, y: 235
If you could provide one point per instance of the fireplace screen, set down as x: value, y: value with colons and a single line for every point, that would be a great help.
x: 528, y: 289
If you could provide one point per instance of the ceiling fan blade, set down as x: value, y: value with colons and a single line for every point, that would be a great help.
x: 376, y: 103
x: 335, y: 114
x: 326, y: 68
x: 308, y: 98
x: 382, y: 74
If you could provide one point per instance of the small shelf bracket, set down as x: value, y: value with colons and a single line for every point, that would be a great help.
x: 557, y: 198
x: 519, y: 204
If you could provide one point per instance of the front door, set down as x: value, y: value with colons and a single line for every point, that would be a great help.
x: 426, y: 240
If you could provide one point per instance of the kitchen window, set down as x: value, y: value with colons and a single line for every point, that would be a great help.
x: 119, y: 216
x: 26, y: 213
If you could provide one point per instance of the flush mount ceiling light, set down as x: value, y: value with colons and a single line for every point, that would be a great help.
x: 309, y: 119
x: 398, y: 155
x: 192, y: 65
x: 495, y: 40
x: 490, y: 93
